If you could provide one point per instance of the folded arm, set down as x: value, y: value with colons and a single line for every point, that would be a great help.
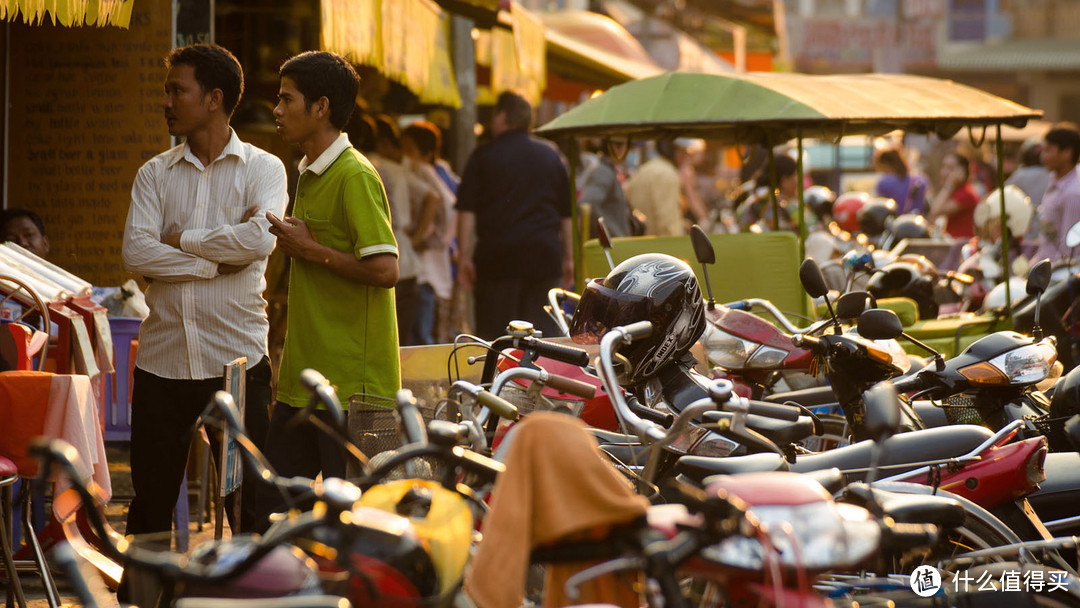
x: 250, y: 240
x: 143, y: 252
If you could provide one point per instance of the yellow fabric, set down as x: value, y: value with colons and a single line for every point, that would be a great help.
x: 69, y: 13
x: 404, y: 39
x: 556, y: 486
x: 517, y: 57
x: 447, y: 529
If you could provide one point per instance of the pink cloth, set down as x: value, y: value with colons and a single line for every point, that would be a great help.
x: 72, y: 415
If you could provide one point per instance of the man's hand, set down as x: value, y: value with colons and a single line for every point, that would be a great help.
x: 292, y: 234
x: 466, y: 273
x: 249, y: 213
x: 172, y: 240
x: 223, y: 268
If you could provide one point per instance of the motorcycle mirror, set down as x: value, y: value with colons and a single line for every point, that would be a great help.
x: 703, y: 249
x: 1039, y: 275
x: 882, y: 417
x: 705, y: 254
x: 605, y: 240
x: 812, y: 280
x: 852, y: 304
x: 880, y: 324
x: 602, y: 233
x: 1072, y: 237
x: 814, y: 283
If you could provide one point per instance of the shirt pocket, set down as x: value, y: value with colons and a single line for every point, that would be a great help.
x: 327, y: 232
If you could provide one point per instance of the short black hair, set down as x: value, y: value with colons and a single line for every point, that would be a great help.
x: 666, y: 147
x: 1065, y: 137
x: 426, y: 135
x: 215, y: 68
x: 319, y: 74
x: 9, y: 215
x: 965, y: 163
x: 361, y: 131
x: 518, y: 110
x: 386, y: 128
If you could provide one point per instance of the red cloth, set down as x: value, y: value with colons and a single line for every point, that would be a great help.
x: 24, y: 400
x: 962, y: 224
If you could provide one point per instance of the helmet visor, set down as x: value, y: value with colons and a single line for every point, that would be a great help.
x: 601, y: 309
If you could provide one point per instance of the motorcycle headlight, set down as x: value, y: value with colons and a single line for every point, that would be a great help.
x: 712, y: 444
x: 732, y: 352
x: 818, y: 536
x: 1025, y: 365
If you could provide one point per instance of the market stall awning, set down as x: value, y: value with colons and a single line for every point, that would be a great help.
x: 484, y: 13
x: 1013, y: 55
x: 771, y: 108
x: 571, y: 57
x: 68, y: 13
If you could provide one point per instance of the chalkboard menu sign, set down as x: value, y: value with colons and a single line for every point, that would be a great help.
x: 85, y: 114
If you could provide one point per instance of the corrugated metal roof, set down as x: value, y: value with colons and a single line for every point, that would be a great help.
x: 1042, y: 54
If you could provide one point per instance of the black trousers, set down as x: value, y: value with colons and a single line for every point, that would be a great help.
x: 499, y: 301
x: 163, y: 416
x: 297, y: 450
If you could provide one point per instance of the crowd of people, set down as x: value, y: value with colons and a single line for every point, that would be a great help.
x: 667, y: 193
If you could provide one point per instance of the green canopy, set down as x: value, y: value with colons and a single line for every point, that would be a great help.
x: 771, y: 108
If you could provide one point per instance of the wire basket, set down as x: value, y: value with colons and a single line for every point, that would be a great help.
x: 960, y: 409
x: 373, y: 424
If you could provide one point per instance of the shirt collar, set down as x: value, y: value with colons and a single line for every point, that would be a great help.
x: 1056, y: 182
x: 233, y: 147
x: 328, y: 156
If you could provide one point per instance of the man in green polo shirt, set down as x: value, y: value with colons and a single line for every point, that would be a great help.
x: 341, y: 318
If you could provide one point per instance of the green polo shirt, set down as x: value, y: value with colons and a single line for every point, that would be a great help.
x: 344, y: 329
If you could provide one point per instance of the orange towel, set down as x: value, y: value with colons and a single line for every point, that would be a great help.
x: 556, y: 486
x: 24, y: 400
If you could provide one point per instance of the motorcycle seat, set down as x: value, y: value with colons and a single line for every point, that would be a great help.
x: 914, y: 447
x: 698, y: 468
x: 626, y: 453
x: 946, y: 513
x: 780, y: 432
x: 807, y: 397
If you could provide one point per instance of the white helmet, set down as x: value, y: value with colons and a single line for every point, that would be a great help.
x: 1017, y: 206
x: 995, y: 300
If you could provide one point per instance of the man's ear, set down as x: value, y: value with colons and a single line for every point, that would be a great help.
x: 45, y: 241
x: 322, y: 107
x: 216, y: 97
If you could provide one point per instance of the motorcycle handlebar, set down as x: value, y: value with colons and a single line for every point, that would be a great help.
x: 413, y: 428
x: 571, y: 386
x: 774, y: 410
x: 559, y: 352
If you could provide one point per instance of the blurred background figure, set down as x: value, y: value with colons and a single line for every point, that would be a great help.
x: 26, y: 229
x: 900, y: 183
x: 756, y: 213
x: 1033, y: 179
x: 603, y: 192
x: 955, y: 201
x: 1060, y: 207
x: 420, y: 142
x: 654, y: 190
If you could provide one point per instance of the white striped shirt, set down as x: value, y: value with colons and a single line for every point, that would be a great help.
x: 199, y: 319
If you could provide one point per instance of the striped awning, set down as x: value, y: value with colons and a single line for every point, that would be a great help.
x: 68, y: 13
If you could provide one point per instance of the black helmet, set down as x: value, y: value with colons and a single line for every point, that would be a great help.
x: 820, y: 200
x: 1064, y: 404
x: 650, y: 287
x: 904, y: 279
x: 874, y: 214
x: 909, y: 226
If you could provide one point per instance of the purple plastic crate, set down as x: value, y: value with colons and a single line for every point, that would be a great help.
x: 118, y: 414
